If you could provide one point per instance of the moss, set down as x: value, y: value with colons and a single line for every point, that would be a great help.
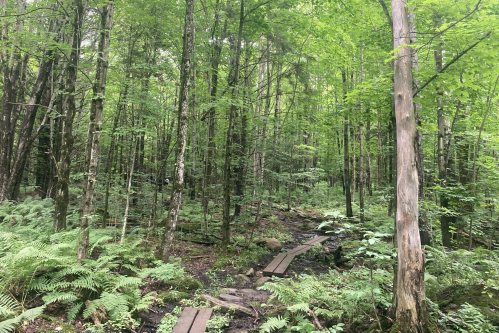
x: 475, y: 295
x: 186, y: 284
x: 172, y: 296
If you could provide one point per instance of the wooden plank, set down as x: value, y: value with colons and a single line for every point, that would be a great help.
x: 185, y: 320
x: 277, y: 260
x: 199, y: 325
x: 279, y: 271
x: 300, y: 249
x: 316, y: 240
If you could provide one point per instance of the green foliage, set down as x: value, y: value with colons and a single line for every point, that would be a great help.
x: 468, y: 319
x: 350, y: 299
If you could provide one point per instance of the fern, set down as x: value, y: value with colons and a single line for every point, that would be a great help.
x: 9, y: 325
x: 273, y: 324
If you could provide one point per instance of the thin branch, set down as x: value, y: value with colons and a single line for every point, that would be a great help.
x: 455, y: 23
x: 387, y: 14
x: 456, y: 58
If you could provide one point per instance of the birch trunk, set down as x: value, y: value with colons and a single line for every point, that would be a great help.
x: 183, y: 123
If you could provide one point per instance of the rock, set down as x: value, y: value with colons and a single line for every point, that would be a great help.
x: 260, y: 296
x: 261, y: 281
x: 240, y: 309
x: 242, y: 278
x: 230, y: 298
x: 250, y: 272
x: 228, y: 290
x: 272, y: 243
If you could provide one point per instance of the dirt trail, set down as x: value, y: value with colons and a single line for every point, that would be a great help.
x: 241, y: 289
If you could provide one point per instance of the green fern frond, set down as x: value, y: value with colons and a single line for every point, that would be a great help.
x: 73, y: 311
x: 65, y: 297
x: 8, y: 306
x: 273, y: 324
x: 9, y: 325
x: 303, y: 307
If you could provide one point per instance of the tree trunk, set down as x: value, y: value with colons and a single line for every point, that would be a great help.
x: 94, y: 130
x: 424, y: 229
x: 242, y: 141
x: 411, y: 308
x: 69, y: 107
x: 233, y: 84
x: 346, y: 163
x: 193, y: 142
x: 183, y: 124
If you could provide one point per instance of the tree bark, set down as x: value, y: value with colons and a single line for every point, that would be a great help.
x: 183, y: 124
x: 94, y: 130
x: 424, y: 229
x: 69, y: 107
x: 234, y: 81
x: 346, y: 163
x: 411, y: 309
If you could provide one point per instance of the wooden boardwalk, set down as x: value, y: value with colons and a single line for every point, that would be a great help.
x: 193, y: 320
x: 281, y: 262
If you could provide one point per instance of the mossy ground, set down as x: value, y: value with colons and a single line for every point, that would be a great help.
x: 487, y: 300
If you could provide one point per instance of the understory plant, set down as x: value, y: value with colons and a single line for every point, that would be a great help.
x: 332, y: 297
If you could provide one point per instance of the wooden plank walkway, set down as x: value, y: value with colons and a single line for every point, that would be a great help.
x: 281, y: 262
x: 193, y: 320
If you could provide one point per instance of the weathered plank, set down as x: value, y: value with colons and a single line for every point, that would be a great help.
x: 185, y: 320
x: 199, y: 325
x: 272, y: 266
x: 299, y: 250
x: 317, y: 240
x: 240, y: 310
x: 279, y: 271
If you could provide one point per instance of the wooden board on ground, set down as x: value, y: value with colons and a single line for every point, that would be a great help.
x: 283, y: 266
x: 199, y: 325
x: 299, y: 250
x: 282, y: 261
x: 317, y: 240
x: 185, y: 320
x: 193, y: 320
x: 273, y: 265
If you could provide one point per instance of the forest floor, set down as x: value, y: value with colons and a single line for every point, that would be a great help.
x: 228, y: 280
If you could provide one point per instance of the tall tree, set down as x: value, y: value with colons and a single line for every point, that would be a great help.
x: 410, y: 304
x: 94, y: 129
x: 69, y: 107
x: 183, y: 124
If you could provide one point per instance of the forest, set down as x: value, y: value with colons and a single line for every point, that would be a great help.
x: 240, y: 166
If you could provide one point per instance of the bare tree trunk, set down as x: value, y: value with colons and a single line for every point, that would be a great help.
x: 241, y: 139
x: 193, y: 142
x: 183, y: 124
x: 129, y: 188
x: 94, y: 130
x: 411, y: 307
x: 346, y: 163
x: 233, y: 84
x: 361, y: 148
x: 422, y: 219
x: 210, y: 153
x: 69, y: 107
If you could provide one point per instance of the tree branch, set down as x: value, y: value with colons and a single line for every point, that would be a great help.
x: 456, y: 58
